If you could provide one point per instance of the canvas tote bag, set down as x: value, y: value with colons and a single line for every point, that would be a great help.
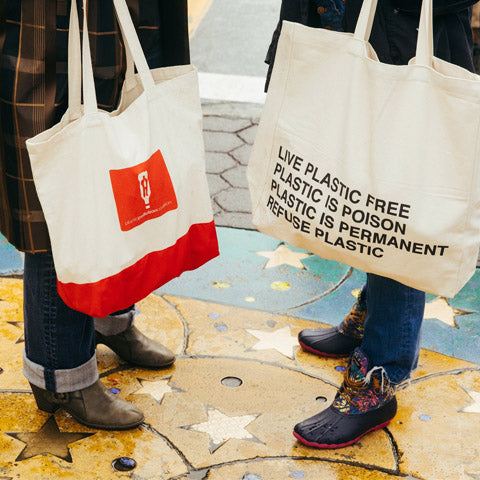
x: 124, y: 194
x: 370, y: 164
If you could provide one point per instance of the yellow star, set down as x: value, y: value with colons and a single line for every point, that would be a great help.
x: 441, y: 310
x: 284, y: 256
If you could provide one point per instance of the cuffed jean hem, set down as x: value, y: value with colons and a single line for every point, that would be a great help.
x: 61, y: 381
x: 114, y: 324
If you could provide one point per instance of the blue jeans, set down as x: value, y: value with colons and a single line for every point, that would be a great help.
x: 392, y: 326
x: 59, y: 342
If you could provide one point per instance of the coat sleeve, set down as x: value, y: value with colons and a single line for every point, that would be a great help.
x: 175, y: 42
x: 5, y: 217
x: 299, y: 11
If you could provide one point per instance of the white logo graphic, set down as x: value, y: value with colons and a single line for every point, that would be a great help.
x: 145, y: 191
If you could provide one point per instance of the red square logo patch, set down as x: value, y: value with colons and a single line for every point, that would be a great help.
x: 143, y: 192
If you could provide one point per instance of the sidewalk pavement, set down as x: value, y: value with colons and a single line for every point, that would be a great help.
x: 226, y: 409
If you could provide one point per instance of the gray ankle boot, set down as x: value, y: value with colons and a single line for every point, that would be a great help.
x: 93, y: 406
x: 134, y: 347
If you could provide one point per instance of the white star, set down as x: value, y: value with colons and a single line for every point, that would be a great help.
x: 441, y: 310
x: 156, y: 389
x: 280, y: 340
x: 222, y: 428
x: 475, y: 406
x: 284, y: 256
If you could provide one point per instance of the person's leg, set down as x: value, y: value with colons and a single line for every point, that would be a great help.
x: 392, y: 326
x: 59, y: 357
x: 59, y: 341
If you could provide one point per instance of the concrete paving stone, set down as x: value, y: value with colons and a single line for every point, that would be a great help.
x: 90, y: 457
x: 242, y: 154
x: 236, y: 177
x: 216, y: 184
x: 221, y: 141
x: 217, y: 329
x: 244, y: 270
x: 285, y: 469
x: 235, y: 220
x: 11, y: 260
x: 435, y: 438
x: 216, y: 210
x: 332, y: 308
x: 225, y: 108
x: 224, y: 124
x: 211, y: 423
x: 248, y: 135
x: 432, y: 363
x: 234, y: 200
x: 224, y: 406
x: 222, y: 330
x: 218, y: 162
x: 12, y: 339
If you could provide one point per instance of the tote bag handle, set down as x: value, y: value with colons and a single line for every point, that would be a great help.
x: 80, y: 65
x: 424, y: 55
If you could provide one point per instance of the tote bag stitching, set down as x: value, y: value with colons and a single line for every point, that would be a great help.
x: 277, y: 115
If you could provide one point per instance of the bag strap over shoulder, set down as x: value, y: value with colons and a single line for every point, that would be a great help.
x: 74, y: 61
x: 80, y: 70
x: 130, y: 38
x: 424, y: 55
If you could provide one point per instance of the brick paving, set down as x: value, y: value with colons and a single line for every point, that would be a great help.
x: 228, y: 141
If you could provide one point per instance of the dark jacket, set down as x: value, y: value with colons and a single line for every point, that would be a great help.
x: 33, y: 85
x: 390, y: 47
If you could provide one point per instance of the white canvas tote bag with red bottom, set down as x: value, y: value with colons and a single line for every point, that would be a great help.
x: 124, y: 194
x: 370, y: 164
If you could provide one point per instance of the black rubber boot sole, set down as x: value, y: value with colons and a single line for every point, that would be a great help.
x: 333, y: 429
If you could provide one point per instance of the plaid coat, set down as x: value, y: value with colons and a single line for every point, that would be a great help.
x: 33, y: 85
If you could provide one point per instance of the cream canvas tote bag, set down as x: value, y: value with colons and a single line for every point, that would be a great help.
x: 370, y: 164
x: 124, y: 194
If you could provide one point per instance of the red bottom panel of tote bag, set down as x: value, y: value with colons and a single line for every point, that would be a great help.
x: 99, y: 299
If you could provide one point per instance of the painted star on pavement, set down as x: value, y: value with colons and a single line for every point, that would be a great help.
x: 475, y: 406
x: 441, y: 310
x: 284, y: 256
x: 280, y: 340
x: 222, y: 428
x: 156, y: 389
x: 49, y: 439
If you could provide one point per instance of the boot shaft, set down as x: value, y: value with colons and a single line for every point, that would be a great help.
x: 364, y: 388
